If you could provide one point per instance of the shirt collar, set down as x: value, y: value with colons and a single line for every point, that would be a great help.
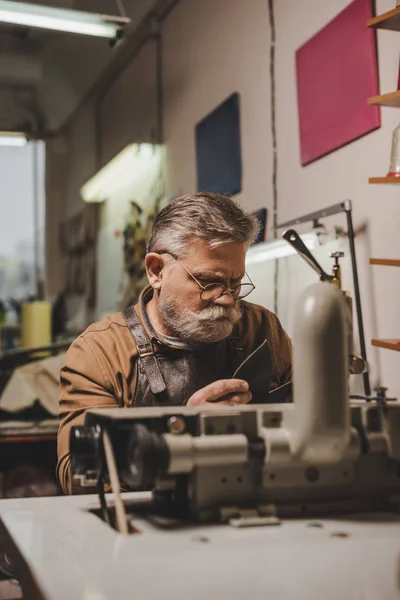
x: 145, y: 295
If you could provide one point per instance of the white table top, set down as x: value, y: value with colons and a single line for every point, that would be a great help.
x: 68, y: 553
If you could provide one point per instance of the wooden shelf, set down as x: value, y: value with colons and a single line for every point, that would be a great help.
x: 389, y: 344
x: 391, y: 21
x: 386, y: 262
x: 392, y: 99
x: 388, y: 20
x: 384, y: 179
x: 18, y: 439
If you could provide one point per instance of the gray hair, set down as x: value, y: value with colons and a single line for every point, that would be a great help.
x: 213, y: 218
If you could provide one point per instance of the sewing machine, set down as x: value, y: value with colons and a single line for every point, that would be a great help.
x: 265, y: 501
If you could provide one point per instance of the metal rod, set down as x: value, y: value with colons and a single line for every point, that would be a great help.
x: 314, y: 216
x: 357, y: 297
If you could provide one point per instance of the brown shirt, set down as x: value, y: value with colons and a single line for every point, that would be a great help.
x: 99, y: 368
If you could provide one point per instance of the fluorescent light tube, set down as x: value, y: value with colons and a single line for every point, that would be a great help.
x: 60, y: 19
x: 119, y: 170
x: 278, y: 249
x: 11, y: 138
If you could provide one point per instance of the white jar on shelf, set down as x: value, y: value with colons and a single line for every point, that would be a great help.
x: 394, y: 169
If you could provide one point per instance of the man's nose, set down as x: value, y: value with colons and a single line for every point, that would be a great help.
x: 225, y: 300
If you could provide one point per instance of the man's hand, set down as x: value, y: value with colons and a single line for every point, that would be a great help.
x: 223, y: 391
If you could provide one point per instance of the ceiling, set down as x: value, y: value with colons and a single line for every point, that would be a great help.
x: 44, y: 74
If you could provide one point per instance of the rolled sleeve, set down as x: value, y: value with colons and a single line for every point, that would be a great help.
x: 83, y: 386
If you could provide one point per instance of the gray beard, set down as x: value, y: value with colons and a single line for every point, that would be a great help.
x: 212, y: 324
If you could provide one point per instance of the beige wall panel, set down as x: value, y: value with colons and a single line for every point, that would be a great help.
x: 129, y: 109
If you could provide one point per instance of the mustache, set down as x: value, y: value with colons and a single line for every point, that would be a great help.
x: 211, y: 324
x: 220, y: 313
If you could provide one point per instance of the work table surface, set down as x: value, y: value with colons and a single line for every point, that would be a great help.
x: 64, y: 552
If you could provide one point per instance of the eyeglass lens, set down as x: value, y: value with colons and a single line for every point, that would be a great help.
x: 215, y: 290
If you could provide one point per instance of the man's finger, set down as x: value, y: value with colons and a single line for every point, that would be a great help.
x: 219, y: 389
x: 233, y: 400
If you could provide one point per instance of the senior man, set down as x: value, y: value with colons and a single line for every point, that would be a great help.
x: 189, y: 331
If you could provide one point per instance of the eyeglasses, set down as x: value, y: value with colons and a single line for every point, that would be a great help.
x: 212, y: 291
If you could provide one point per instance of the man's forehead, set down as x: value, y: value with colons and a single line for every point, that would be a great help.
x: 227, y: 260
x: 223, y: 252
x: 219, y: 274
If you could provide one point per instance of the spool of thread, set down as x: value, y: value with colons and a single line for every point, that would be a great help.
x: 36, y: 324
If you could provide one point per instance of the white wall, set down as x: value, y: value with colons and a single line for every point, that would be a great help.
x: 128, y: 113
x: 344, y: 174
x: 102, y: 127
x: 71, y: 161
x: 211, y: 49
x: 82, y: 151
x: 129, y: 109
x: 215, y: 47
x: 142, y: 185
x: 56, y: 205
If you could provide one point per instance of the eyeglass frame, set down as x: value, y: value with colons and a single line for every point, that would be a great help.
x: 203, y: 288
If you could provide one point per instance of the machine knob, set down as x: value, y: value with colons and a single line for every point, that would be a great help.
x: 148, y: 457
x: 357, y: 365
x: 381, y: 393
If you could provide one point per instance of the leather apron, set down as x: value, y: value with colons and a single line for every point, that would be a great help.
x: 169, y: 376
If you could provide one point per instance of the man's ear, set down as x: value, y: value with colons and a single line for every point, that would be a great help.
x: 154, y: 268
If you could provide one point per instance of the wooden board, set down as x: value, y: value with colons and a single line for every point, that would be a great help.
x: 391, y: 99
x: 384, y: 180
x: 388, y: 20
x: 13, y: 439
x: 386, y: 262
x: 390, y: 344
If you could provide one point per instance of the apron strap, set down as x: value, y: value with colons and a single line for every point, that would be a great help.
x: 235, y: 348
x: 147, y: 358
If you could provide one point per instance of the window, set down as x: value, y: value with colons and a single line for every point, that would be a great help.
x: 22, y: 220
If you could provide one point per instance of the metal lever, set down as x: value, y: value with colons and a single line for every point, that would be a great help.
x: 295, y: 240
